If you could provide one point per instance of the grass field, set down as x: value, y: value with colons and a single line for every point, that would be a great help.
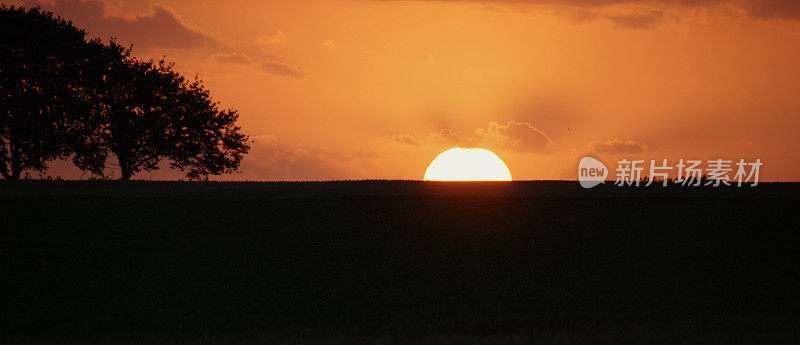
x: 397, y: 262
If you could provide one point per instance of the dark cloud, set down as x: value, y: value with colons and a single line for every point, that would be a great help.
x: 445, y: 137
x: 516, y: 136
x: 766, y: 9
x: 233, y: 58
x: 406, y: 139
x: 162, y: 27
x: 616, y: 146
x: 587, y: 3
x: 270, y: 159
x: 787, y: 9
x: 266, y: 65
x: 281, y: 68
x: 448, y: 136
x: 636, y: 20
x: 512, y: 136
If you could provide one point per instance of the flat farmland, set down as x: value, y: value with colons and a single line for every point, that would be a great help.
x: 397, y: 262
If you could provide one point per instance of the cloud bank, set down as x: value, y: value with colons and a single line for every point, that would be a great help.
x: 760, y: 9
x: 513, y: 136
x: 616, y: 146
x: 162, y: 27
x: 266, y: 65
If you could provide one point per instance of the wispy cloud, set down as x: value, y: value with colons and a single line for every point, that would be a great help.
x: 276, y: 38
x: 512, y: 136
x: 281, y: 68
x: 616, y: 146
x: 264, y: 64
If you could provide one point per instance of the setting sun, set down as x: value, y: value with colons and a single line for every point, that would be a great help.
x: 459, y: 164
x: 267, y: 158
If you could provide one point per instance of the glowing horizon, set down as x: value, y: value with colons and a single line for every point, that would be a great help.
x: 374, y: 89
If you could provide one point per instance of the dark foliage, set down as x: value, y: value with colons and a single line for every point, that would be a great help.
x: 203, y: 139
x: 63, y: 95
x: 145, y: 112
x: 40, y: 71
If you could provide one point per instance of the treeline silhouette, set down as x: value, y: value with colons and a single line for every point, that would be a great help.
x: 65, y: 96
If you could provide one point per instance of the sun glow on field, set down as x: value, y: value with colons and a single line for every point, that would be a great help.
x: 460, y: 164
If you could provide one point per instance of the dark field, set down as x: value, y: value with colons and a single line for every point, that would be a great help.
x: 397, y: 262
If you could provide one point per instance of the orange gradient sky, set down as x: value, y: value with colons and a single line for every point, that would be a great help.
x: 357, y: 89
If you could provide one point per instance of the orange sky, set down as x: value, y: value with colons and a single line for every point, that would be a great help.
x: 354, y: 89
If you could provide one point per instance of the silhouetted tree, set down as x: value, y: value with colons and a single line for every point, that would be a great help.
x: 62, y: 95
x: 144, y: 111
x: 41, y: 61
x: 201, y: 138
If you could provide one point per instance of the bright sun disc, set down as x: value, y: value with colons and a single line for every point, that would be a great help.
x: 467, y: 165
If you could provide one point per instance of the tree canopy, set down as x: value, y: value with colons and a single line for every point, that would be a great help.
x: 62, y: 95
x: 40, y: 65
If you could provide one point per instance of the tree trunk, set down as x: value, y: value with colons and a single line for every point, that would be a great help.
x: 126, y: 171
x: 124, y: 164
x: 15, y: 166
x: 120, y: 149
x: 4, y: 171
x: 9, y: 176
